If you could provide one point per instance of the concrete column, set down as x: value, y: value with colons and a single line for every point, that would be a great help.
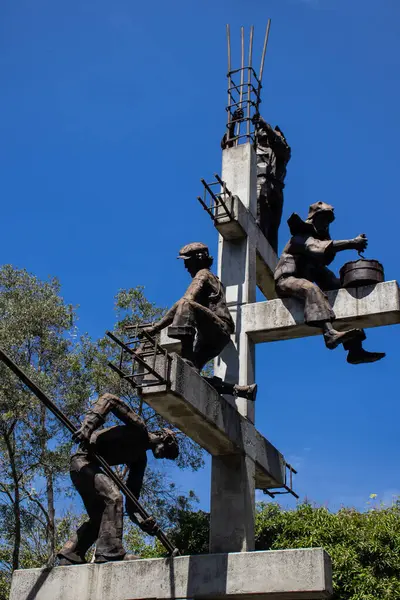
x: 237, y: 271
x: 233, y: 477
x: 232, y: 504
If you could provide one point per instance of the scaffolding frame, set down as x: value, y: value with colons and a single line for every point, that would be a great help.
x: 245, y: 94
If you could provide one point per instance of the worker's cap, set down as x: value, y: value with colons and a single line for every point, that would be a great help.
x: 318, y: 207
x: 190, y: 250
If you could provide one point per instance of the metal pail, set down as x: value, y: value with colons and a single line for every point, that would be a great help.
x: 361, y: 272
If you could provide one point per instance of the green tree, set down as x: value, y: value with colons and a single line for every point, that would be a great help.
x: 37, y: 328
x: 39, y: 331
x: 364, y: 545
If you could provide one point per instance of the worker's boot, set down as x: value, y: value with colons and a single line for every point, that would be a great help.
x: 100, y: 558
x: 356, y: 355
x: 245, y: 391
x: 233, y: 389
x: 69, y: 560
x: 334, y: 338
x: 187, y: 342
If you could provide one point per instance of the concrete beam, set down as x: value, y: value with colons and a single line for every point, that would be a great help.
x: 244, y: 224
x: 266, y: 261
x: 275, y: 575
x: 193, y: 406
x: 369, y: 306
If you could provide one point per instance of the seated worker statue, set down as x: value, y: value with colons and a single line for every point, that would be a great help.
x: 125, y: 444
x: 302, y: 273
x: 201, y: 319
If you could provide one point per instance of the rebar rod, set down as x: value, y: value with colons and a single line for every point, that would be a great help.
x: 104, y: 464
x: 228, y: 38
x: 264, y: 51
x: 249, y: 78
x: 241, y: 79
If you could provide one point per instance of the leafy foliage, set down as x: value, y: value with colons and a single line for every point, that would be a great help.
x: 39, y: 331
x: 364, y: 546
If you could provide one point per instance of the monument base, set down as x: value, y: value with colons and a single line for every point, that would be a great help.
x: 274, y: 575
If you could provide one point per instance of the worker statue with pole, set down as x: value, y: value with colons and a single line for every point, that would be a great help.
x: 125, y: 444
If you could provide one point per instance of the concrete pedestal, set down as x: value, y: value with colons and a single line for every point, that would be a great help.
x: 275, y: 575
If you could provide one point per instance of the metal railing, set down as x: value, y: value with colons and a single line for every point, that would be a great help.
x: 219, y: 205
x: 142, y: 361
x: 287, y: 487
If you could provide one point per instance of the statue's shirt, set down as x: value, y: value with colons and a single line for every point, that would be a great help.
x: 303, y: 256
x: 121, y: 444
x: 207, y: 290
x: 273, y: 154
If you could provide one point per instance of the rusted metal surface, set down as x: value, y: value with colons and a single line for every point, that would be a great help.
x: 287, y: 487
x: 361, y: 272
x: 219, y: 205
x: 142, y: 360
x: 245, y: 94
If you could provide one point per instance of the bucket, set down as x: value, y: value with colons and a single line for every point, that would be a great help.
x: 361, y: 272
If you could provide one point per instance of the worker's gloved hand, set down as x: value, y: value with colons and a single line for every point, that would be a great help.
x: 238, y: 114
x: 255, y: 119
x: 82, y: 434
x: 149, y: 526
x: 361, y: 242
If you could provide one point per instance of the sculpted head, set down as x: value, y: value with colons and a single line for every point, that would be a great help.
x: 164, y: 444
x: 196, y: 256
x: 321, y: 215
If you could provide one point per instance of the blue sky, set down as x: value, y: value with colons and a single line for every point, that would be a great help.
x: 110, y: 114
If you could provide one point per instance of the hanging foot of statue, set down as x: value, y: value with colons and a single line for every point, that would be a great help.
x: 245, y: 391
x: 233, y: 389
x: 360, y: 356
x: 334, y: 338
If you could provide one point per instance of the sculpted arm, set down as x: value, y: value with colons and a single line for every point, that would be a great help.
x: 359, y: 243
x: 97, y: 414
x: 192, y: 293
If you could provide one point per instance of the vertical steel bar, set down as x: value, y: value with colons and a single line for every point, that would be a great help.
x: 249, y: 78
x: 228, y: 38
x: 241, y: 79
x: 264, y: 51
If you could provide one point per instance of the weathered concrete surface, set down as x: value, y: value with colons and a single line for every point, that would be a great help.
x: 198, y: 410
x: 244, y: 224
x: 369, y: 306
x: 275, y: 575
x: 233, y: 489
x: 266, y: 261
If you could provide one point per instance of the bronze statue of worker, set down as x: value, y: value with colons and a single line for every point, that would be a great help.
x: 125, y: 444
x: 201, y: 319
x: 302, y: 273
x: 273, y: 154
